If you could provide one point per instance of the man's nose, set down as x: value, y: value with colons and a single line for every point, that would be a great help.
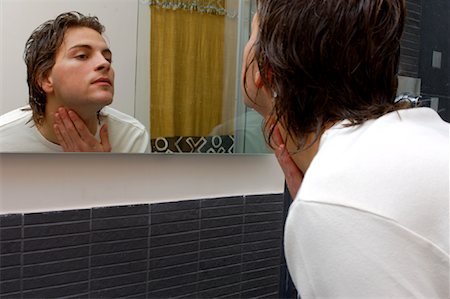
x: 102, y: 63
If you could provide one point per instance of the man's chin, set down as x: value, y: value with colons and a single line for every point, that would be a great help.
x: 102, y: 102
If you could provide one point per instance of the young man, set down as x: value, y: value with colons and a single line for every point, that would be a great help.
x: 369, y: 174
x: 71, y: 81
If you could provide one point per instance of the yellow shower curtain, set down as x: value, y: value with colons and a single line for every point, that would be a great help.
x: 187, y: 65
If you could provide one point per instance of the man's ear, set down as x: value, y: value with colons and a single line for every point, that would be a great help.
x: 46, y: 82
x: 258, y: 80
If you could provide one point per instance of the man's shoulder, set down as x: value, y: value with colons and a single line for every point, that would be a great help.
x: 116, y: 117
x: 119, y: 116
x: 15, y: 117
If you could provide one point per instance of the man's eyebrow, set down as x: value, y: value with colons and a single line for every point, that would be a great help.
x: 104, y: 51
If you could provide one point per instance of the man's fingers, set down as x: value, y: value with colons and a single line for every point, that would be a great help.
x: 64, y: 138
x: 292, y: 174
x: 59, y: 137
x: 74, y: 136
x: 68, y: 124
x: 82, y: 131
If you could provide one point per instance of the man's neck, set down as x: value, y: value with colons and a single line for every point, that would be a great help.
x: 303, y: 158
x: 47, y: 130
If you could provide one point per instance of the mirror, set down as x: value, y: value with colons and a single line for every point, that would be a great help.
x: 178, y: 63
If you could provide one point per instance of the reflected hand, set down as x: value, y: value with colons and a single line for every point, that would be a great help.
x: 293, y: 174
x: 74, y: 136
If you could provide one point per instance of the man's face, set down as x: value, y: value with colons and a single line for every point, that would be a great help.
x: 255, y: 96
x: 82, y: 77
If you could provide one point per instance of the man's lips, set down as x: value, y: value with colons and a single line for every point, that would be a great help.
x: 102, y: 81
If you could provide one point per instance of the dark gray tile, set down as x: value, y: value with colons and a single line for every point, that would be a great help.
x: 155, y: 274
x: 270, y: 295
x: 262, y: 291
x: 175, y: 206
x: 120, y: 292
x: 220, y: 272
x: 224, y: 201
x: 174, y: 227
x: 221, y: 252
x: 260, y: 264
x: 263, y: 217
x: 174, y: 216
x: 7, y: 220
x: 117, y: 246
x: 221, y: 221
x: 263, y: 208
x: 219, y: 282
x: 220, y: 292
x: 184, y: 291
x: 139, y: 295
x: 10, y: 286
x: 263, y: 254
x: 115, y: 281
x: 120, y: 222
x: 221, y: 232
x: 175, y: 281
x: 7, y: 247
x: 11, y: 233
x: 118, y: 269
x: 264, y: 198
x: 122, y: 234
x: 261, y: 236
x: 55, y: 242
x: 106, y: 212
x: 263, y: 226
x: 261, y: 273
x: 219, y: 262
x: 55, y: 254
x: 222, y: 211
x: 48, y: 230
x: 55, y: 279
x: 174, y: 249
x: 9, y: 273
x: 170, y: 260
x: 174, y: 239
x: 256, y: 246
x: 58, y: 216
x: 118, y: 258
x: 37, y: 270
x: 257, y: 283
x: 220, y: 242
x: 14, y: 295
x: 58, y: 291
x: 7, y: 260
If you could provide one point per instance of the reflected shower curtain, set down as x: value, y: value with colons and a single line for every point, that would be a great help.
x: 187, y: 65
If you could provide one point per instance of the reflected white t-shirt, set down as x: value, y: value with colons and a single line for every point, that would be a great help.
x: 371, y: 219
x: 18, y: 133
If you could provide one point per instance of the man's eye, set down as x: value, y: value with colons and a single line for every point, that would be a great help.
x: 81, y: 56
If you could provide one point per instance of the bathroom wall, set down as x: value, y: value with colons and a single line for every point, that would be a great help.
x: 108, y: 226
x: 222, y: 248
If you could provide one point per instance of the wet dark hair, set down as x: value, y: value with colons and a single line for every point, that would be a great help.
x: 329, y: 60
x: 40, y: 54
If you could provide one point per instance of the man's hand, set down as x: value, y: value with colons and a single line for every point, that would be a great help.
x: 74, y: 136
x: 293, y: 175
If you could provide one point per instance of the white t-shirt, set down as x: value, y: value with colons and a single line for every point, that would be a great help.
x: 18, y: 133
x: 371, y: 219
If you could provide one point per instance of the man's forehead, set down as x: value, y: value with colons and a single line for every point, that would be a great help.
x: 84, y: 36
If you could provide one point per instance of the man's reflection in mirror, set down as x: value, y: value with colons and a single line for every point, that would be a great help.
x: 247, y: 126
x: 70, y: 84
